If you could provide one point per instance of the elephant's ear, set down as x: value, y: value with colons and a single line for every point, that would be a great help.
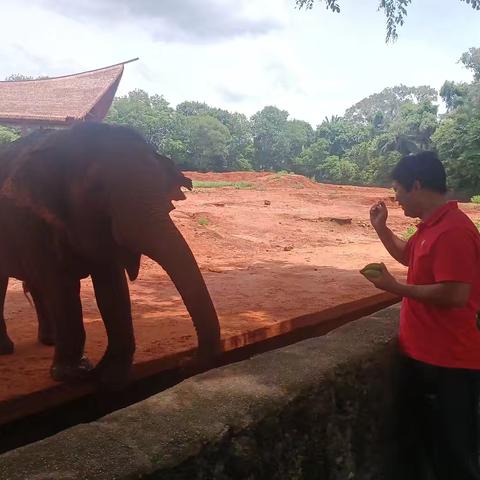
x: 174, y: 178
x: 35, y: 182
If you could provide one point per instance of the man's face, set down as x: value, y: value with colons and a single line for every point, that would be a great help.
x: 408, y: 200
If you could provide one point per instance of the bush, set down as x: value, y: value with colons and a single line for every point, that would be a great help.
x: 475, y: 199
x: 409, y: 232
x: 239, y: 185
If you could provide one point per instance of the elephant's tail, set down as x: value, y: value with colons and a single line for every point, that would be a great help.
x: 26, y: 292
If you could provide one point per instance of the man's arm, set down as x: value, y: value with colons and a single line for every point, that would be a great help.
x: 395, y: 246
x: 447, y: 294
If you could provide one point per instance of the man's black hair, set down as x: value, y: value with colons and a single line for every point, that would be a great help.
x: 424, y: 167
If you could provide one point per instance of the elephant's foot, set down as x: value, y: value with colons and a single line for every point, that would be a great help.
x: 209, y: 349
x: 207, y: 352
x: 63, y: 372
x: 46, y: 338
x: 6, y: 346
x: 113, y: 371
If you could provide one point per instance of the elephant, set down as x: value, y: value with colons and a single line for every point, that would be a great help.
x: 32, y: 251
x: 45, y: 326
x: 46, y: 334
x: 100, y: 197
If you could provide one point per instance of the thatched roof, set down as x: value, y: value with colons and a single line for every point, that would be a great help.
x: 60, y: 100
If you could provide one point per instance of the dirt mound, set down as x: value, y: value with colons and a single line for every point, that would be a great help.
x: 257, y: 179
x: 251, y: 177
x: 291, y: 180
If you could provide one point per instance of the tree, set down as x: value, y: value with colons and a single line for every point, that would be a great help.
x: 310, y: 160
x: 208, y: 142
x: 471, y: 60
x: 299, y: 135
x: 453, y: 94
x: 457, y: 141
x: 380, y: 167
x: 151, y: 115
x: 361, y: 154
x: 395, y: 11
x: 337, y: 170
x: 240, y: 153
x: 341, y: 134
x: 18, y: 77
x: 415, y: 125
x: 269, y: 127
x: 383, y: 107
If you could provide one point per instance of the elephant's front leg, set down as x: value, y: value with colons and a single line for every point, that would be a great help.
x: 113, y: 300
x: 61, y: 297
x: 6, y: 345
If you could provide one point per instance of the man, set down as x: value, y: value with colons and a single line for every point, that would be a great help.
x: 439, y: 337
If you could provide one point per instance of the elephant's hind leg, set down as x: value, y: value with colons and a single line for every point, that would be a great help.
x: 62, y: 301
x: 46, y: 327
x: 6, y: 345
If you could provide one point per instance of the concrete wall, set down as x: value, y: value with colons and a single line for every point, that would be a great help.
x: 313, y: 410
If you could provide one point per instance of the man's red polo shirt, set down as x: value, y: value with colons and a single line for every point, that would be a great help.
x: 446, y: 247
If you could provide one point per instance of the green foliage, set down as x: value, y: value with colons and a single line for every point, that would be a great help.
x: 409, y: 232
x: 239, y: 185
x: 310, y: 160
x: 380, y: 109
x: 203, y: 221
x: 453, y: 94
x: 151, y: 115
x: 269, y: 128
x: 360, y: 147
x: 337, y: 170
x: 412, y: 128
x: 457, y: 141
x: 8, y: 134
x: 475, y: 199
x: 18, y: 77
x: 341, y: 134
x: 395, y: 11
x: 207, y: 141
x: 471, y: 60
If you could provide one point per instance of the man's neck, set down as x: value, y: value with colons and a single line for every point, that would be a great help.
x: 432, y: 203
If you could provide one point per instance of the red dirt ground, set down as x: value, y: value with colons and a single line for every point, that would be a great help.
x: 269, y: 253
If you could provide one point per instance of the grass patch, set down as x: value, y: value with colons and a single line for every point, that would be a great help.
x: 412, y: 229
x: 240, y: 185
x: 203, y: 221
x: 475, y: 199
x: 282, y: 173
x: 409, y: 232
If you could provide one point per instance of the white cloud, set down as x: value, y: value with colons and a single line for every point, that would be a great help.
x: 239, y: 54
x: 173, y: 20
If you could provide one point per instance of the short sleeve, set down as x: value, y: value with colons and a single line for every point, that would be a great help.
x: 455, y: 256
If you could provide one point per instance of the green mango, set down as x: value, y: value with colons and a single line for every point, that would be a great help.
x: 372, y: 270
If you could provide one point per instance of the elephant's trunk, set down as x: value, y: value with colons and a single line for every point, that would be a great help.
x: 174, y: 255
x: 160, y: 240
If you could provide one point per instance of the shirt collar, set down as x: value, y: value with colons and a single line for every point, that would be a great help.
x: 438, y: 214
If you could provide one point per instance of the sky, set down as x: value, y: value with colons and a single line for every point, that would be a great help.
x: 241, y: 55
